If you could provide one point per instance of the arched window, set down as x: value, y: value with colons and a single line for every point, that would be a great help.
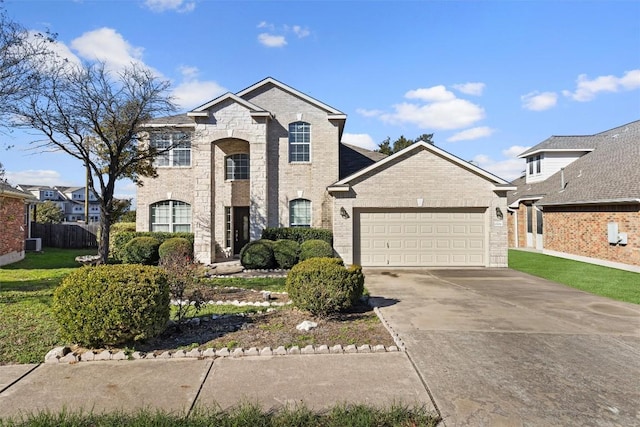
x: 171, y: 216
x: 299, y: 142
x: 237, y: 166
x: 300, y: 213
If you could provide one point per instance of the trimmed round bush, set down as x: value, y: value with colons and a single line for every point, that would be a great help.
x: 112, y: 304
x: 176, y: 248
x: 258, y: 255
x: 323, y: 285
x: 141, y: 250
x: 315, y: 249
x: 286, y: 252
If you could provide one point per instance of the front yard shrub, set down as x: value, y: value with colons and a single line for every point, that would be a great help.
x: 299, y: 234
x: 120, y: 240
x: 141, y: 250
x: 258, y: 255
x: 183, y: 275
x: 112, y: 304
x: 324, y: 286
x: 315, y: 249
x: 176, y: 247
x: 286, y: 252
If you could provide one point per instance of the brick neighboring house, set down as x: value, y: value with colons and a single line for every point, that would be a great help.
x: 580, y: 196
x: 271, y: 155
x: 13, y: 208
x: 70, y: 200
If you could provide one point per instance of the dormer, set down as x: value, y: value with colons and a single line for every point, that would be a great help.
x: 548, y: 157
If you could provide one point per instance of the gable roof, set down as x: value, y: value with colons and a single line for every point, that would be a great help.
x: 607, y: 174
x: 178, y: 120
x: 197, y: 112
x: 7, y: 190
x: 353, y: 158
x: 416, y: 147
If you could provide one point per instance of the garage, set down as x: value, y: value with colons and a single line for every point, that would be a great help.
x: 421, y: 237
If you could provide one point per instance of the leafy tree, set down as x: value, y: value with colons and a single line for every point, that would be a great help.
x: 128, y: 216
x: 98, y: 117
x: 2, y: 178
x: 49, y: 213
x: 385, y: 147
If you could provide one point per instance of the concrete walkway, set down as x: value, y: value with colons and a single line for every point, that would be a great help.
x: 502, y: 348
x: 319, y: 381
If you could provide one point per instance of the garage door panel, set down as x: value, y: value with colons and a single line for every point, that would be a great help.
x: 415, y: 238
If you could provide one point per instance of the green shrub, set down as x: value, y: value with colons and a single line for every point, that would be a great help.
x: 286, y: 252
x: 120, y: 240
x: 141, y: 250
x: 112, y: 304
x: 299, y: 234
x: 258, y: 255
x: 324, y: 286
x: 315, y: 249
x: 176, y: 247
x: 119, y: 227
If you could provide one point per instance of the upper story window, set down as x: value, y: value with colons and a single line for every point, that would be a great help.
x: 171, y: 216
x: 47, y: 194
x: 534, y: 165
x: 299, y: 142
x: 300, y: 213
x: 176, y: 146
x: 237, y: 166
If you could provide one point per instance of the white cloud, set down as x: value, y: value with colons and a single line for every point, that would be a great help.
x: 432, y: 94
x: 473, y: 133
x: 300, y: 32
x: 192, y: 92
x: 587, y: 89
x: 37, y: 177
x: 509, y: 168
x: 265, y: 24
x: 181, y: 6
x: 369, y: 113
x: 470, y: 88
x: 536, y: 101
x: 453, y: 114
x: 360, y: 139
x: 106, y: 44
x: 271, y: 40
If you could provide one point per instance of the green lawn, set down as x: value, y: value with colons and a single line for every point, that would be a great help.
x: 608, y: 282
x: 27, y: 328
x: 271, y: 284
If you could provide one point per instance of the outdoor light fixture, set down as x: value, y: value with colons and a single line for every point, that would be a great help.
x: 499, y: 214
x: 343, y: 213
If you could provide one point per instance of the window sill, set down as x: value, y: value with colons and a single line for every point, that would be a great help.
x: 299, y: 163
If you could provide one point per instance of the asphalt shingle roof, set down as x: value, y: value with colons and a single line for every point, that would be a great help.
x: 611, y: 172
x: 353, y: 158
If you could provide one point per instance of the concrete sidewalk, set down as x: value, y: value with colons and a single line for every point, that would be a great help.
x: 318, y: 381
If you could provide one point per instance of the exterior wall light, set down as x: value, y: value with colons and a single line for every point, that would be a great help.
x: 343, y: 213
x: 499, y: 214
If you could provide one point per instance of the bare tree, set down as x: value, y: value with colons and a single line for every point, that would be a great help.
x: 98, y: 117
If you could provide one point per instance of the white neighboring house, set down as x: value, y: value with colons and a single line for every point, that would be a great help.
x: 69, y: 199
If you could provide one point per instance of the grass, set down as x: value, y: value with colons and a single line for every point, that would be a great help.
x: 248, y: 415
x: 607, y: 282
x: 27, y: 328
x: 271, y: 284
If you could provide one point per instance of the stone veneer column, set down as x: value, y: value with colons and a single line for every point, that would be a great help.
x: 258, y: 210
x: 204, y: 248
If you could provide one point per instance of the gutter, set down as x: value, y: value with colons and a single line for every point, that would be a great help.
x: 594, y: 202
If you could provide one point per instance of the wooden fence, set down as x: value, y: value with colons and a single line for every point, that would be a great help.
x: 66, y: 236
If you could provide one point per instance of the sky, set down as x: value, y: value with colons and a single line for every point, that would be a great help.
x: 488, y: 78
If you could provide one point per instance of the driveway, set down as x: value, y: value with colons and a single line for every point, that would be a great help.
x: 496, y: 347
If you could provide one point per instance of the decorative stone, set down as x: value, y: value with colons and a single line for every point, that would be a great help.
x: 223, y: 352
x: 87, y: 356
x: 56, y: 353
x: 323, y: 349
x: 68, y: 358
x: 393, y: 348
x: 294, y: 350
x: 366, y: 348
x: 266, y: 295
x: 215, y: 317
x: 379, y: 349
x: 120, y: 355
x: 137, y: 355
x: 280, y: 351
x: 179, y: 354
x: 336, y: 349
x: 306, y: 326
x: 194, y: 353
x: 195, y: 321
x: 238, y: 352
x: 308, y: 350
x: 103, y: 355
x: 164, y: 355
x: 266, y: 351
x: 210, y: 352
x: 252, y: 351
x: 351, y: 349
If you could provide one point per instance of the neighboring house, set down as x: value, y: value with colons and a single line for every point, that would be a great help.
x: 580, y: 197
x: 69, y: 199
x: 13, y: 213
x: 271, y: 156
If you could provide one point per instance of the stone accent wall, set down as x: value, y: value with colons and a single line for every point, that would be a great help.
x: 582, y: 230
x: 438, y: 182
x: 12, y: 235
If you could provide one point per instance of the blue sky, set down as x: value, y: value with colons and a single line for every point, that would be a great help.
x: 488, y: 78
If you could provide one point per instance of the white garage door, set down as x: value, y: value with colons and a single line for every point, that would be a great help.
x: 421, y: 238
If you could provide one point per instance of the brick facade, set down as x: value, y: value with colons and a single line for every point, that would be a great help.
x: 13, y: 231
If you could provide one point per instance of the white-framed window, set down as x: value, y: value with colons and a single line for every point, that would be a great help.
x: 299, y: 142
x: 170, y: 215
x: 300, y: 213
x: 534, y: 165
x: 47, y: 194
x: 237, y: 166
x: 178, y: 146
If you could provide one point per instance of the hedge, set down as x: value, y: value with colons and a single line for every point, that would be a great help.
x: 258, y: 254
x: 122, y: 238
x: 299, y: 234
x: 287, y: 253
x: 315, y: 249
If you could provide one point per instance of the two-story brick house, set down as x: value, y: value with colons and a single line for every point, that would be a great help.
x: 14, y: 205
x: 271, y: 155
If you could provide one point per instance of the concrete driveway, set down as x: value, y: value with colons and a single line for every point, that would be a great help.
x: 496, y: 347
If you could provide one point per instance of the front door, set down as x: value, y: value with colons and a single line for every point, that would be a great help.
x: 240, y: 228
